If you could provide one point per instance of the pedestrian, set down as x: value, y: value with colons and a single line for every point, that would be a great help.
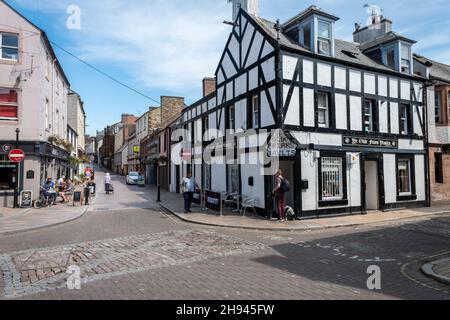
x: 188, y: 187
x: 61, y: 181
x: 279, y: 193
x: 107, y: 183
x: 48, y: 190
x: 68, y: 189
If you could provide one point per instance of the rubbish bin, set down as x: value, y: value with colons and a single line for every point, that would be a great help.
x: 87, y: 194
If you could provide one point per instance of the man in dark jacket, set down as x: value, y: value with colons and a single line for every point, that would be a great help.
x: 279, y: 194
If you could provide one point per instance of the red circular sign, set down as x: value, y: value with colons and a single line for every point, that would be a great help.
x: 16, y: 155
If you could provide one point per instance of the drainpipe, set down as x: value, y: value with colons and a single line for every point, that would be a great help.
x: 426, y: 133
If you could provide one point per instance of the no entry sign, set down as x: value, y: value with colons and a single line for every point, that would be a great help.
x: 16, y: 155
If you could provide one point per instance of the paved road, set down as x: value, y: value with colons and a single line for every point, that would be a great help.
x: 127, y: 248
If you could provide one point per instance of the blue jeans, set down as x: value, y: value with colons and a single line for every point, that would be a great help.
x: 188, y: 200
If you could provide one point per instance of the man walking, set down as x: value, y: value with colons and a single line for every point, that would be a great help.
x: 279, y: 193
x: 188, y: 187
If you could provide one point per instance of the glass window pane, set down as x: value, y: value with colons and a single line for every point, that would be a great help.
x: 404, y: 182
x: 324, y: 30
x: 406, y: 52
x: 8, y: 96
x: 10, y: 53
x: 332, y: 182
x: 10, y: 40
x: 8, y: 111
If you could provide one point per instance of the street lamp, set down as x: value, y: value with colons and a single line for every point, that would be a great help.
x: 16, y: 183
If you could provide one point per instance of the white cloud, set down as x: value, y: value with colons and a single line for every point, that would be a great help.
x: 164, y: 44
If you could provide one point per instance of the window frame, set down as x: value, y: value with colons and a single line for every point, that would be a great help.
x: 438, y: 168
x: 402, y: 59
x: 405, y: 121
x: 256, y: 112
x: 11, y: 104
x: 438, y: 106
x: 323, y: 202
x: 411, y: 195
x: 2, y: 33
x: 328, y: 122
x: 320, y: 38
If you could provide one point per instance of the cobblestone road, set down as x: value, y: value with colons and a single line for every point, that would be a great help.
x: 129, y: 249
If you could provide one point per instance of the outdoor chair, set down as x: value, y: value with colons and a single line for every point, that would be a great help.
x: 248, y: 203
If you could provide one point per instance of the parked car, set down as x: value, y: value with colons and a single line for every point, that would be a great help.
x: 135, y: 178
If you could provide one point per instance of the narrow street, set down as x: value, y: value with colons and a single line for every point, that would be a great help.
x: 127, y: 248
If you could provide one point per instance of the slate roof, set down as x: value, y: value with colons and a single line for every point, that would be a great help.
x: 438, y: 70
x: 385, y: 38
x: 341, y: 47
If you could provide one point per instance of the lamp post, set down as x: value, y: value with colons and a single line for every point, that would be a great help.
x: 16, y: 183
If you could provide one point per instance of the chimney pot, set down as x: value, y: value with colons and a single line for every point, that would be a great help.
x: 209, y: 86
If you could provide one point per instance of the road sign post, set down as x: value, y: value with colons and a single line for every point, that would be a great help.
x: 16, y: 156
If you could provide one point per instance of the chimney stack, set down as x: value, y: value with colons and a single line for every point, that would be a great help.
x: 249, y: 6
x: 375, y: 29
x: 209, y: 86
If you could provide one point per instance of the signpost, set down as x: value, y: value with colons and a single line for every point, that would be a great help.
x: 16, y: 156
x: 213, y: 201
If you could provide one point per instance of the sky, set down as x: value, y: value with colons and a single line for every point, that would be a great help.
x: 166, y: 47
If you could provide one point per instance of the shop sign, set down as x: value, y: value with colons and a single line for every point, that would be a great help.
x: 7, y: 148
x: 213, y: 200
x: 197, y: 198
x: 26, y: 199
x: 370, y: 142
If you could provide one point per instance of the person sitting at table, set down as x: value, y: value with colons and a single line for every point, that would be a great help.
x: 48, y: 190
x: 68, y: 189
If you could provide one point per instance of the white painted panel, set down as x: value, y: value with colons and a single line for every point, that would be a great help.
x: 341, y: 111
x: 354, y: 180
x: 393, y: 88
x: 234, y: 48
x: 268, y: 49
x: 390, y: 182
x: 327, y: 139
x: 255, y: 49
x: 293, y: 113
x: 405, y: 144
x: 229, y: 68
x: 418, y: 90
x: 213, y: 125
x: 199, y: 110
x: 369, y: 83
x: 241, y: 85
x: 247, y: 38
x: 212, y: 104
x: 420, y: 177
x: 218, y: 175
x: 406, y: 90
x: 230, y: 88
x: 309, y: 172
x: 241, y: 114
x: 340, y: 78
x: 220, y: 77
x: 289, y: 67
x: 382, y: 86
x: 308, y: 108
x: 355, y: 81
x: 355, y: 113
x: 253, y: 78
x: 417, y: 126
x: 394, y: 118
x: 198, y: 135
x: 308, y: 71
x: 220, y: 94
x: 257, y: 190
x: 383, y: 117
x: 266, y: 113
x: 268, y: 68
x: 324, y: 74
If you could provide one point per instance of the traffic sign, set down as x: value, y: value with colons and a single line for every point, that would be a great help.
x: 16, y: 155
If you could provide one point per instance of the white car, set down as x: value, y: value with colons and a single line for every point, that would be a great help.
x: 134, y: 178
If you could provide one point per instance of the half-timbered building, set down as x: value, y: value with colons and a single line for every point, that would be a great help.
x: 352, y: 113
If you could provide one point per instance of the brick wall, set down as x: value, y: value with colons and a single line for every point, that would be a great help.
x: 171, y: 108
x: 209, y: 86
x: 440, y: 192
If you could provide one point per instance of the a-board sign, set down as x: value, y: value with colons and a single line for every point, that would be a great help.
x: 197, y: 198
x: 26, y: 199
x: 213, y: 200
x: 77, y: 197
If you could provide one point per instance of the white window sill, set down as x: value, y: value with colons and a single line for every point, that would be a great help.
x: 9, y: 119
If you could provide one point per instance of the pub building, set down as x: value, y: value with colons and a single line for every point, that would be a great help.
x: 352, y: 114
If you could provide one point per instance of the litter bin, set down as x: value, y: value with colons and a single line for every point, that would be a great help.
x: 87, y: 194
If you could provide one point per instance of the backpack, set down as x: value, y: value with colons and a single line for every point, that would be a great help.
x: 285, y: 185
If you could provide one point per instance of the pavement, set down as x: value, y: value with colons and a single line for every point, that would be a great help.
x: 174, y: 204
x: 438, y: 270
x: 24, y: 220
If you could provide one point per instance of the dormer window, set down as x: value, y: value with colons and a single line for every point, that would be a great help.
x: 306, y: 35
x: 406, y: 58
x: 390, y: 58
x: 324, y: 38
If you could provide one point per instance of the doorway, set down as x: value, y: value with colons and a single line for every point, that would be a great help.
x: 372, y: 185
x: 289, y: 173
